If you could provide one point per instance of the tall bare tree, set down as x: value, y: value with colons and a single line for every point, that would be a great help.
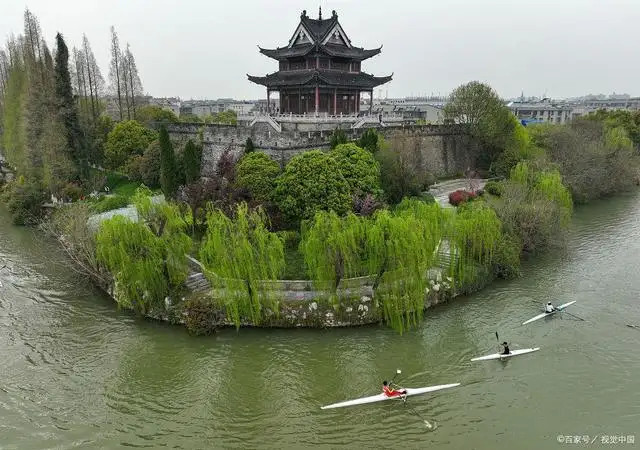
x: 80, y: 82
x: 33, y: 40
x: 115, y: 70
x: 133, y: 79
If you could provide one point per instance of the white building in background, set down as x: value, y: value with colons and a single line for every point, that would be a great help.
x: 612, y: 103
x: 429, y: 109
x: 543, y: 111
x: 202, y: 108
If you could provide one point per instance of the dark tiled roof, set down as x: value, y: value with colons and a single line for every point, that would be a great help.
x: 319, y: 28
x: 358, y: 54
x: 286, y: 52
x: 323, y: 77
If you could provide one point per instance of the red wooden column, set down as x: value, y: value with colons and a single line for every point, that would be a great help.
x: 317, y: 98
x: 335, y: 101
x: 268, y: 100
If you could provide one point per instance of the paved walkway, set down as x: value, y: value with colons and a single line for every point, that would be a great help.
x: 441, y: 191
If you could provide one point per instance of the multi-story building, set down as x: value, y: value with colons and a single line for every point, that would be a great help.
x: 320, y: 70
x: 203, y: 108
x: 542, y: 111
x: 430, y: 110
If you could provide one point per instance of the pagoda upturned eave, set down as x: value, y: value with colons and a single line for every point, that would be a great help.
x: 359, y: 80
x: 353, y: 53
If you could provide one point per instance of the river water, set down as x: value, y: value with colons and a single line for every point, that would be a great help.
x: 75, y: 372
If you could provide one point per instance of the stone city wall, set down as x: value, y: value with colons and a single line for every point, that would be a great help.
x: 443, y: 150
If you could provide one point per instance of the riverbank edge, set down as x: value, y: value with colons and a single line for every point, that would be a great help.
x: 353, y: 304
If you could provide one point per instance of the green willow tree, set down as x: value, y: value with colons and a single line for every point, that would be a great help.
x: 239, y: 253
x: 145, y: 257
x: 399, y: 248
x: 169, y: 174
x: 333, y: 247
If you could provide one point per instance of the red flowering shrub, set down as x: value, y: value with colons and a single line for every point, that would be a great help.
x: 461, y: 196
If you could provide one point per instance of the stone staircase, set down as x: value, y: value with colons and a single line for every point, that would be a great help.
x: 267, y: 119
x: 197, y: 282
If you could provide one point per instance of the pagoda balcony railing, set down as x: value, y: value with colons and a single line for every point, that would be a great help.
x: 312, y: 117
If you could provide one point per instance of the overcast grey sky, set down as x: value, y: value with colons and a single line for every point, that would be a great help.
x: 205, y: 48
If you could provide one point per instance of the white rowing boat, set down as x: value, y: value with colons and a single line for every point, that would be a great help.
x: 382, y: 397
x: 501, y: 356
x: 545, y: 314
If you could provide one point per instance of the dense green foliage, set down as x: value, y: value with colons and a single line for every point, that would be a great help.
x: 145, y: 168
x: 146, y: 257
x: 399, y: 247
x: 76, y: 145
x: 333, y: 247
x: 534, y: 207
x: 627, y: 120
x: 249, y: 146
x: 110, y: 203
x: 150, y: 115
x: 359, y: 168
x: 311, y: 182
x: 337, y: 137
x: 400, y: 174
x: 127, y: 140
x: 594, y: 158
x: 494, y: 188
x: 24, y: 201
x: 369, y: 140
x: 51, y: 112
x: 478, y: 106
x: 257, y: 172
x: 239, y: 253
x: 169, y: 175
x: 228, y: 117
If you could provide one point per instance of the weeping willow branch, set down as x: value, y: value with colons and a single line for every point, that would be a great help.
x: 242, y: 253
x: 147, y: 261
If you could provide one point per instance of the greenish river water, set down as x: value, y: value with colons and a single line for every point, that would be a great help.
x: 75, y: 372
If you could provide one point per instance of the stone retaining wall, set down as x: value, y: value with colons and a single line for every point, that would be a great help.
x: 443, y: 150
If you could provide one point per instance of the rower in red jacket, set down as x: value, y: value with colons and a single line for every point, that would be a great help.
x: 391, y: 392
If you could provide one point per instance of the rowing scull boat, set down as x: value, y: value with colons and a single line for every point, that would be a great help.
x: 502, y: 356
x: 382, y: 397
x: 545, y: 314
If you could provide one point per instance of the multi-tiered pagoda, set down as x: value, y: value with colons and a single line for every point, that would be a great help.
x: 320, y: 71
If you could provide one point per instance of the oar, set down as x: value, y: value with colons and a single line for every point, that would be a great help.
x: 633, y: 326
x: 398, y: 372
x: 427, y: 424
x: 573, y: 315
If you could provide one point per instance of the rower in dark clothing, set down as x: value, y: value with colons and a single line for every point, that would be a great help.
x: 506, y: 350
